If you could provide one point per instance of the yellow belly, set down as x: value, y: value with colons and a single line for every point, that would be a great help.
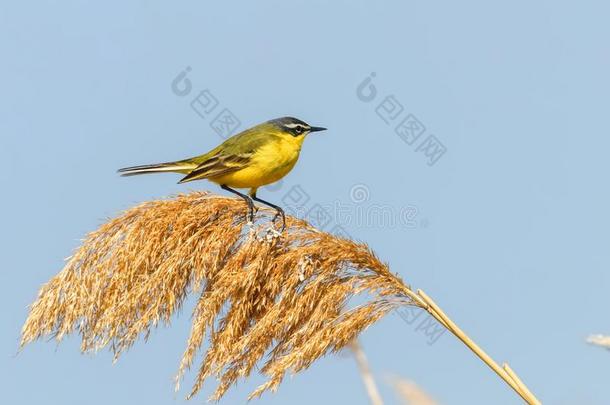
x: 269, y: 164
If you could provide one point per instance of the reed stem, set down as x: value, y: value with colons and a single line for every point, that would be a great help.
x: 505, y: 372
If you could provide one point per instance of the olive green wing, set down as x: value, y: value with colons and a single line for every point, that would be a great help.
x: 218, y: 165
x: 232, y: 155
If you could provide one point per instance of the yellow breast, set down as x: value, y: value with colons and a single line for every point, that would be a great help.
x: 269, y: 163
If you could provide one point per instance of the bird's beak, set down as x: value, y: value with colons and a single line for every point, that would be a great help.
x: 317, y: 129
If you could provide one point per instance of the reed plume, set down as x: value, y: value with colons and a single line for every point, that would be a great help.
x: 267, y: 301
x: 280, y: 302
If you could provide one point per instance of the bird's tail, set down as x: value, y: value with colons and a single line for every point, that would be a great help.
x: 182, y: 166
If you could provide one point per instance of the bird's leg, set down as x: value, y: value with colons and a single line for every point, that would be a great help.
x: 247, y: 199
x: 280, y: 211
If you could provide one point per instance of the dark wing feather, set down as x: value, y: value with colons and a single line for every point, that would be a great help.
x: 218, y: 165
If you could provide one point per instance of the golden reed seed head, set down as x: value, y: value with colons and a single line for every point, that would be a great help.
x: 280, y: 302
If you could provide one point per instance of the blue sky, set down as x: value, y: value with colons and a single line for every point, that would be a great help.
x: 507, y: 229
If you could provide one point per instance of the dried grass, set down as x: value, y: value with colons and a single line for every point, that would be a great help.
x: 365, y: 372
x: 275, y: 301
x: 278, y: 302
x: 599, y: 340
x: 410, y: 393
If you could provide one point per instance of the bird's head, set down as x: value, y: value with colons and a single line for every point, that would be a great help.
x: 293, y: 126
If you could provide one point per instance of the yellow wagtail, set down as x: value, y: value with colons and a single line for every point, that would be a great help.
x: 253, y: 158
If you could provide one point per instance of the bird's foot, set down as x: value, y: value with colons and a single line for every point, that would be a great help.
x: 269, y: 235
x: 280, y: 214
x: 272, y: 234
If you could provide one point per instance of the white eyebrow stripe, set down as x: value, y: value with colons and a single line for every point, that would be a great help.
x: 295, y: 125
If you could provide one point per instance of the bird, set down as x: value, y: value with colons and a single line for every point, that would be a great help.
x: 251, y: 159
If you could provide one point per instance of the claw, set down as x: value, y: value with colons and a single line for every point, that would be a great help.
x: 272, y: 233
x: 278, y: 215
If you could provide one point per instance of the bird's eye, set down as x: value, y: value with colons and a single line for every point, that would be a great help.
x: 298, y: 130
